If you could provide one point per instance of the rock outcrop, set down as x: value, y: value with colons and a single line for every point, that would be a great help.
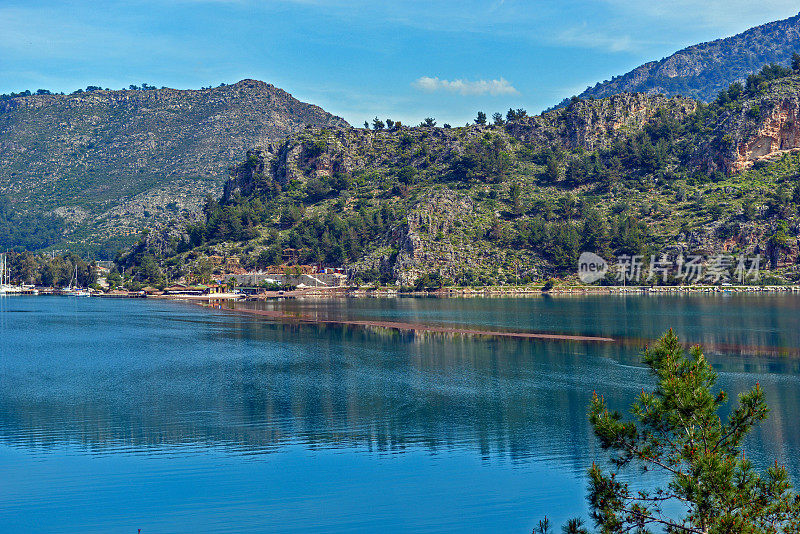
x: 445, y: 234
x: 778, y: 132
x: 591, y: 124
x: 761, y: 127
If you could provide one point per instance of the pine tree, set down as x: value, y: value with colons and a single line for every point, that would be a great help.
x: 678, y: 432
x: 594, y: 235
x: 574, y: 526
x: 553, y: 172
x: 564, y: 246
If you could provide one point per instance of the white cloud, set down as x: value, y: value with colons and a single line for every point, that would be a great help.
x: 466, y: 87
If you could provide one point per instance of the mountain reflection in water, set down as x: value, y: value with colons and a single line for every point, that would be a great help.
x: 167, y: 373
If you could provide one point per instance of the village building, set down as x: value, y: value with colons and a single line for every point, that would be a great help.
x: 317, y: 280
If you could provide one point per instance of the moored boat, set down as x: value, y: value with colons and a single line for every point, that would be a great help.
x: 5, y: 278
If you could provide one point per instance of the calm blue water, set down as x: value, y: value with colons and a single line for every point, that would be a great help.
x: 117, y: 415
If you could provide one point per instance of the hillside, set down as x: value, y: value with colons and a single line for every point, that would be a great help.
x: 512, y: 201
x: 106, y: 163
x: 702, y: 70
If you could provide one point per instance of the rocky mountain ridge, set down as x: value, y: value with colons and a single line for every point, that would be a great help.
x: 702, y: 70
x: 119, y: 160
x: 587, y: 125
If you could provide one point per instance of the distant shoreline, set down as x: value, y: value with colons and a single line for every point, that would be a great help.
x: 456, y: 292
x: 520, y: 291
x: 488, y: 291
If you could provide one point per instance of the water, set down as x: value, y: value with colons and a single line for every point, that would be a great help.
x: 117, y: 415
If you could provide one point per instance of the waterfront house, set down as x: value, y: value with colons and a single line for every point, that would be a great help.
x: 214, y: 289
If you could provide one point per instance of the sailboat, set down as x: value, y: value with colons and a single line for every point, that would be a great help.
x: 5, y: 277
x: 73, y: 290
x: 77, y: 291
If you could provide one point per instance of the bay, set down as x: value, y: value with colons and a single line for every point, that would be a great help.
x: 117, y: 415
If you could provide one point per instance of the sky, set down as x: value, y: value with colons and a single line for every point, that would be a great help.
x: 358, y: 59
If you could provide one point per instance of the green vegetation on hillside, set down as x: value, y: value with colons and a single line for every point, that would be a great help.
x: 506, y: 202
x: 89, y: 89
x: 27, y: 232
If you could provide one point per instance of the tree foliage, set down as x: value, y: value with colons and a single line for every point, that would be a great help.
x: 52, y: 271
x: 27, y: 232
x: 485, y: 160
x: 515, y: 114
x: 677, y: 431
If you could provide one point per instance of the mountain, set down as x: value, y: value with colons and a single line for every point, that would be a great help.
x: 106, y: 163
x: 631, y: 174
x: 702, y: 70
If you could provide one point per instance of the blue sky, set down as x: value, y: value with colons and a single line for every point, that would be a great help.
x: 400, y: 59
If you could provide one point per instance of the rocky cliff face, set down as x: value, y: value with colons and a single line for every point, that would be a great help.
x: 702, y: 70
x: 777, y: 132
x: 592, y: 124
x: 445, y: 233
x: 764, y: 127
x: 116, y: 158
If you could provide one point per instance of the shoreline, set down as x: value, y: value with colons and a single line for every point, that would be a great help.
x: 580, y: 290
x: 445, y: 292
x: 516, y: 291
